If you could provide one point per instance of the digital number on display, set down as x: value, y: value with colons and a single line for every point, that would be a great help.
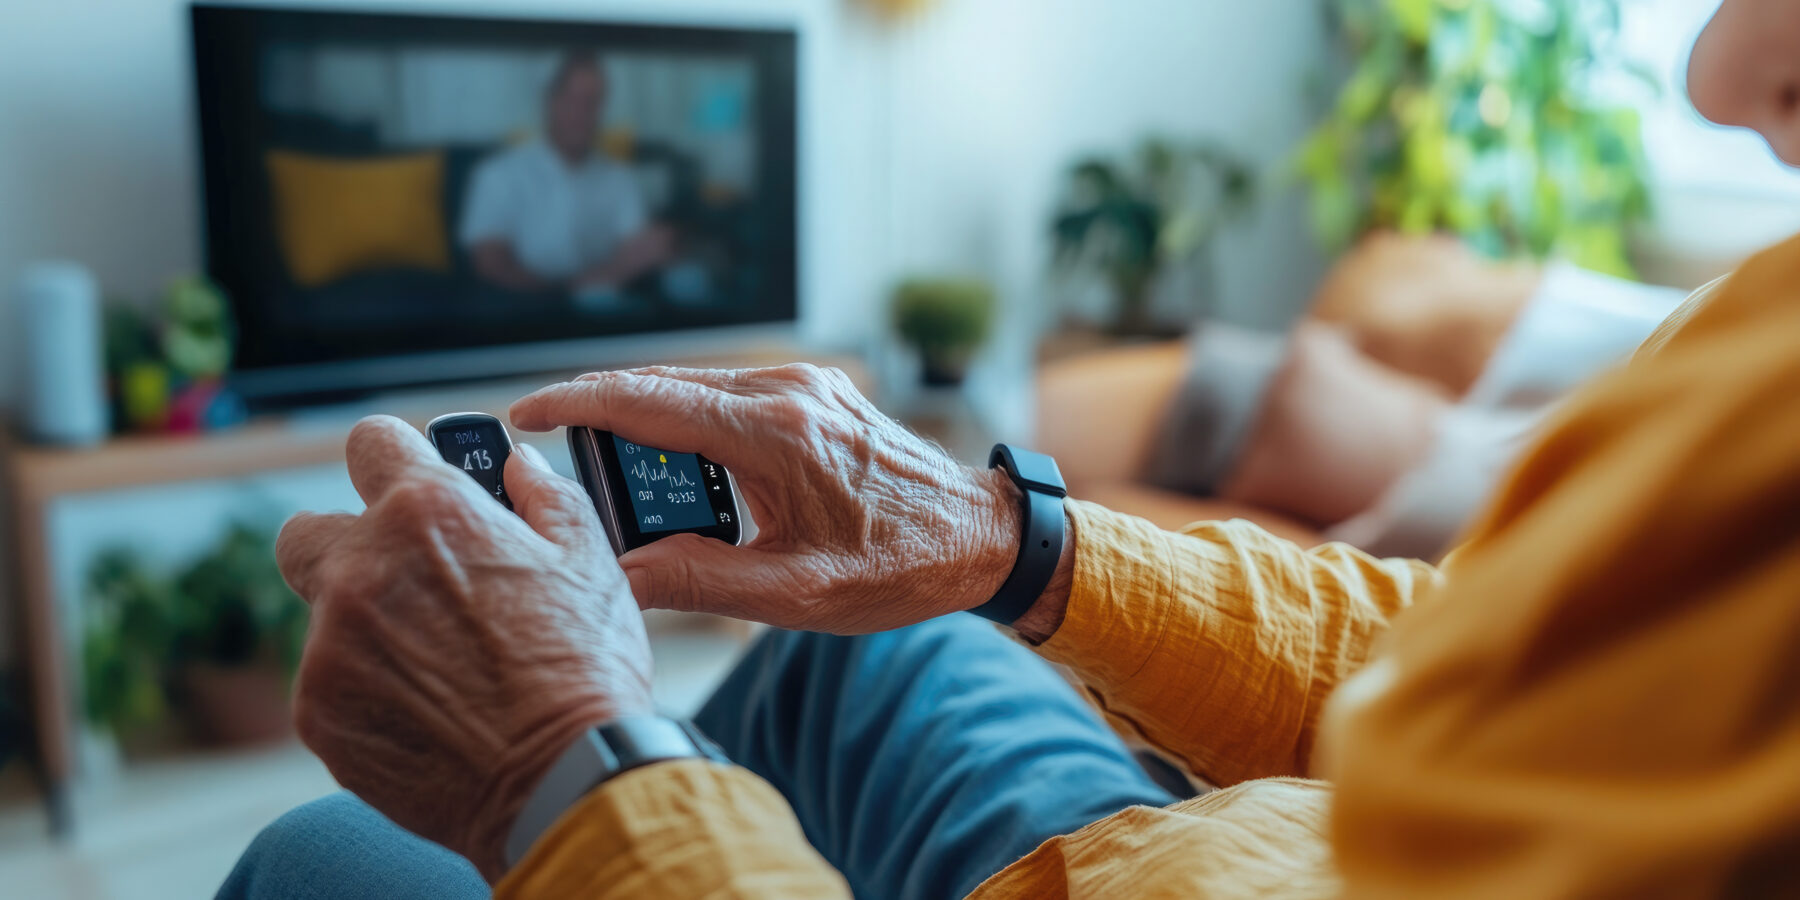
x: 477, y: 460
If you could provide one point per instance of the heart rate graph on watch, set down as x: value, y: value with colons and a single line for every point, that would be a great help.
x: 644, y: 494
x: 666, y: 493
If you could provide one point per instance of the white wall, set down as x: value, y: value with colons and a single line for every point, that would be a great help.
x: 95, y: 158
x: 993, y: 99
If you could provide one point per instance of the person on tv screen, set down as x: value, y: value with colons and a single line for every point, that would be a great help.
x: 554, y: 213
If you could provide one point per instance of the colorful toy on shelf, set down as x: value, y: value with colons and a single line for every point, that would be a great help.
x: 167, y: 364
x: 143, y: 395
x: 196, y: 328
x: 203, y: 405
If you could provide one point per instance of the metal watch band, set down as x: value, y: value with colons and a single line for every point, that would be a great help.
x: 599, y: 754
x: 1041, y: 534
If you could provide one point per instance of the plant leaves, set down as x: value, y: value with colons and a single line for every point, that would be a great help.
x: 1474, y: 117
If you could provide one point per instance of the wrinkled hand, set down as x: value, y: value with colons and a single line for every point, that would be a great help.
x: 862, y: 525
x: 456, y: 648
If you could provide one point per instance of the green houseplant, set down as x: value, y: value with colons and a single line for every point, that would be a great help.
x: 945, y: 319
x: 1132, y: 220
x: 1480, y: 118
x: 216, y: 641
x: 125, y: 643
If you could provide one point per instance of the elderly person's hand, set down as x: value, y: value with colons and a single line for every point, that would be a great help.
x: 456, y: 648
x: 862, y: 525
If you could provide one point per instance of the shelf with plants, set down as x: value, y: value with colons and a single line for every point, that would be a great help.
x: 206, y: 650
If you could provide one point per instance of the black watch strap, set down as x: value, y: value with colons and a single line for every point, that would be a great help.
x: 614, y: 747
x: 1041, y: 540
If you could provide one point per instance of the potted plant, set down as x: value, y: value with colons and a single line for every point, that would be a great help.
x: 945, y: 319
x: 239, y: 638
x: 217, y: 642
x: 1133, y: 221
x: 1478, y: 119
x: 125, y: 643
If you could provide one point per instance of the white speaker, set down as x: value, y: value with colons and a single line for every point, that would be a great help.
x: 64, y: 374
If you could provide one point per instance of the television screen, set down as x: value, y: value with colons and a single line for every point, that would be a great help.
x: 397, y: 187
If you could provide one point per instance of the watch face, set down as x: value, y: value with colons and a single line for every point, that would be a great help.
x: 664, y: 489
x: 477, y: 444
x: 644, y: 494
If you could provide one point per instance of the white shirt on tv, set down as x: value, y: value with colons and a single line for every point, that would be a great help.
x: 559, y: 219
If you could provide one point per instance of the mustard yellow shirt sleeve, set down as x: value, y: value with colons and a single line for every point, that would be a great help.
x: 677, y: 829
x: 1606, y: 701
x: 1219, y: 644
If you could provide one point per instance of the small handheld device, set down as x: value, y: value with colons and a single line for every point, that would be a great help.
x: 644, y: 494
x: 477, y: 444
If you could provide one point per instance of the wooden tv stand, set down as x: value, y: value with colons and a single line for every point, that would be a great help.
x: 36, y: 477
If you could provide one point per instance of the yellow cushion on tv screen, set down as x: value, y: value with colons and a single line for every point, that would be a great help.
x: 335, y: 217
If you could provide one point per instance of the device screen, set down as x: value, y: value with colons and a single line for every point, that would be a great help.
x: 480, y: 449
x: 668, y: 491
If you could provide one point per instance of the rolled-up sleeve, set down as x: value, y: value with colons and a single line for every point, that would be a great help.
x: 1219, y: 644
x: 678, y: 829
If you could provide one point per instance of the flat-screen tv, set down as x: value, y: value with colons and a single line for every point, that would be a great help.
x: 395, y: 199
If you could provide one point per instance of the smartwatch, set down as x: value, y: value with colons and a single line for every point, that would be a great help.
x: 477, y: 444
x: 644, y: 494
x: 614, y: 747
x: 1041, y: 534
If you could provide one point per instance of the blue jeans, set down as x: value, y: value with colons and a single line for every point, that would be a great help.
x: 919, y: 762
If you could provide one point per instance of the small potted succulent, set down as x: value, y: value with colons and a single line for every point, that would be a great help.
x: 946, y: 320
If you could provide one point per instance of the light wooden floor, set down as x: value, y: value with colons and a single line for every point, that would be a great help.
x: 173, y: 828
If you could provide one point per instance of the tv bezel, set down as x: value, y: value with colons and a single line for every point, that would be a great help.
x: 776, y: 46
